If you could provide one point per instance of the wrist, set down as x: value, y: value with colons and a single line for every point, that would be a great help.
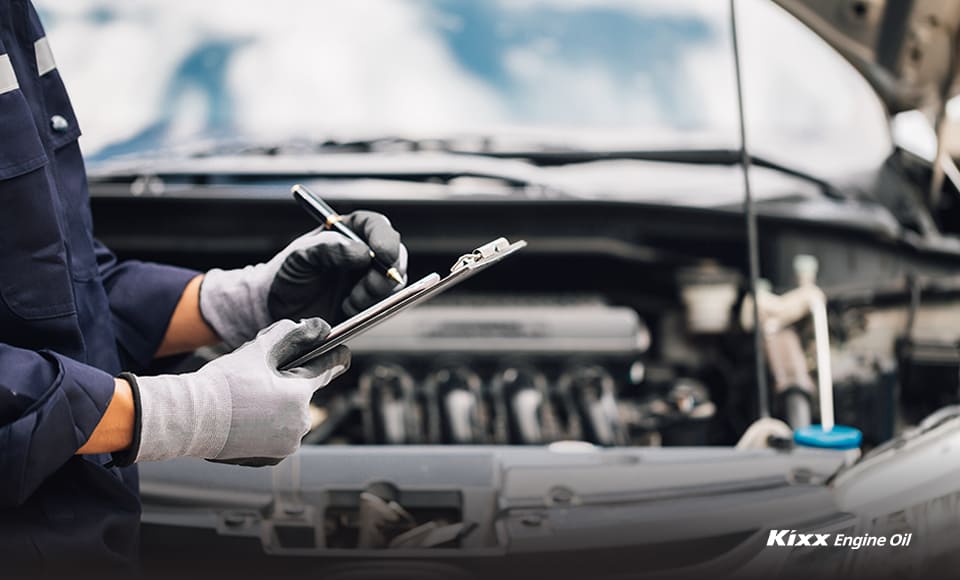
x: 114, y: 432
x: 187, y: 329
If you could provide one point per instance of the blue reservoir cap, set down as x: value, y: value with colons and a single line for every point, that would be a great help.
x: 840, y: 437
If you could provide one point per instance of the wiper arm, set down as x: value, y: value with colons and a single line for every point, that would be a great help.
x: 557, y: 158
x: 239, y: 168
x: 689, y: 156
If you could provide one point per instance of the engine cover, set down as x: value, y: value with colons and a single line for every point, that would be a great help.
x: 485, y: 327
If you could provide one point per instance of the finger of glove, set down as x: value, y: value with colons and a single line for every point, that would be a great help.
x: 373, y: 287
x: 297, y: 340
x: 376, y: 231
x: 325, y: 251
x: 305, y: 240
x: 273, y: 333
x: 326, y: 367
x: 401, y: 264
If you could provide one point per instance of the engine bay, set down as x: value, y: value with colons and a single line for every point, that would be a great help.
x: 596, y: 390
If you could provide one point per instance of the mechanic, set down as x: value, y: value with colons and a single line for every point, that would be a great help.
x: 72, y: 317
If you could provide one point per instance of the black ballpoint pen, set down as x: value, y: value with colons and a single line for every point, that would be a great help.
x: 331, y: 220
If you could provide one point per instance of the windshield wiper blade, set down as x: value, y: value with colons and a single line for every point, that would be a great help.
x: 396, y: 158
x: 332, y: 145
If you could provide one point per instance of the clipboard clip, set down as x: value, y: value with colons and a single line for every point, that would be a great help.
x: 491, y: 250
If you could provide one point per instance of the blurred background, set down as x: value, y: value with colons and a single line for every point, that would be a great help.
x: 611, y: 363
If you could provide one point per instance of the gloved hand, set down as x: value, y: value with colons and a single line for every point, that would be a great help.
x: 238, y: 407
x: 320, y: 274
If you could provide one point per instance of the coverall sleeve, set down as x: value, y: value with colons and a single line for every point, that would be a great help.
x: 49, y: 407
x: 142, y: 298
x: 51, y: 404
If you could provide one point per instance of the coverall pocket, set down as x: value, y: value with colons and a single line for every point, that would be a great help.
x: 20, y: 148
x: 34, y: 279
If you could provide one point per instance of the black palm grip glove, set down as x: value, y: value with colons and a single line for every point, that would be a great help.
x: 344, y: 271
x: 320, y: 274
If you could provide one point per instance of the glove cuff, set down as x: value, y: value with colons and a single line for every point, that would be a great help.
x: 234, y: 303
x: 182, y: 416
x: 128, y: 456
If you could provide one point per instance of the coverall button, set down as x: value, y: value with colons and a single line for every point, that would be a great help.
x: 59, y: 123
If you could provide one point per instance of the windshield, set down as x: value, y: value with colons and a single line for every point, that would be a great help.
x: 591, y: 74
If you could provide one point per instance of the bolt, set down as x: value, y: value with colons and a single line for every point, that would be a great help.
x: 532, y: 520
x: 561, y: 495
x: 294, y: 510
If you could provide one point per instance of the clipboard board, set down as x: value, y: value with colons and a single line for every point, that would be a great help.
x: 416, y: 293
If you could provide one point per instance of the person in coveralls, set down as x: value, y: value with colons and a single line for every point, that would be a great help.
x: 78, y: 329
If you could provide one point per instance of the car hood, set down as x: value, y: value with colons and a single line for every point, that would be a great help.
x: 907, y: 49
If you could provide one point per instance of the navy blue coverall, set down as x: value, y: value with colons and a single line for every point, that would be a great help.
x: 71, y: 318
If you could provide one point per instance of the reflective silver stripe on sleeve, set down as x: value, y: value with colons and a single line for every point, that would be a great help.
x: 8, y: 79
x: 45, y: 62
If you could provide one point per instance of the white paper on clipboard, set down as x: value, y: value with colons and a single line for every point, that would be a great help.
x: 416, y: 293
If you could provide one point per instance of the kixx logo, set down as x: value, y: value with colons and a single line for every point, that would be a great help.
x: 792, y: 538
x: 839, y: 540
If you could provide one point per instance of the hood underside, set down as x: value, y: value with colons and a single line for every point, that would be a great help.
x: 907, y: 49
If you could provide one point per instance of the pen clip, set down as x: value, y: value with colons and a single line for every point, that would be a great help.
x: 484, y: 252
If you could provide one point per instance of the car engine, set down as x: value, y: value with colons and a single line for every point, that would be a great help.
x: 476, y: 370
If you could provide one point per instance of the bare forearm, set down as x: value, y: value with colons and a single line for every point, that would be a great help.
x: 187, y: 330
x: 114, y: 432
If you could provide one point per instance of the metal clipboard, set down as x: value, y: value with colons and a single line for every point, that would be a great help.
x: 418, y: 292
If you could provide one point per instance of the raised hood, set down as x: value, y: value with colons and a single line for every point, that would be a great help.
x: 906, y: 48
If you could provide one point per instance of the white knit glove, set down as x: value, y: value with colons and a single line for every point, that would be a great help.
x: 239, y: 407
